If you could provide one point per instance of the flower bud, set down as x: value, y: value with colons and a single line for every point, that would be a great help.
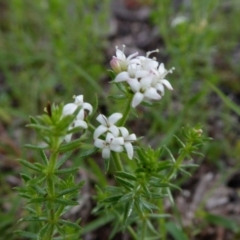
x: 115, y: 65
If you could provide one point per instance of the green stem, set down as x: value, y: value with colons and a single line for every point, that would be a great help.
x: 144, y: 229
x: 132, y: 233
x: 117, y: 161
x: 51, y: 194
x: 126, y: 111
x: 162, y: 223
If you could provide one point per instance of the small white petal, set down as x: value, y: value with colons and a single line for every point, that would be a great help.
x: 120, y: 55
x: 79, y: 100
x: 141, y: 73
x: 117, y: 141
x: 81, y: 123
x: 124, y: 132
x: 150, y: 64
x: 121, y: 77
x: 106, y: 153
x: 114, y: 118
x: 114, y: 130
x: 109, y: 137
x: 167, y: 84
x: 68, y: 137
x: 99, y: 143
x: 160, y: 88
x: 161, y: 69
x: 151, y: 93
x: 80, y: 115
x: 99, y: 131
x: 146, y: 82
x: 132, y: 137
x: 88, y: 107
x: 116, y: 148
x: 132, y: 55
x: 134, y: 84
x: 102, y: 119
x: 129, y: 149
x: 138, y: 97
x: 69, y: 109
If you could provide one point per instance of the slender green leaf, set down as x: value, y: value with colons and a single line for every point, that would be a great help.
x: 233, y: 106
x: 44, y: 157
x: 118, y: 97
x: 71, y: 190
x: 67, y: 170
x: 70, y: 224
x: 71, y: 145
x: 26, y: 234
x: 87, y: 153
x: 106, y: 164
x: 36, y: 147
x: 176, y: 232
x: 222, y: 221
x: 128, y: 210
x: 125, y: 183
x: 66, y: 202
x: 112, y: 199
x: 126, y: 175
x: 29, y: 165
x: 63, y: 159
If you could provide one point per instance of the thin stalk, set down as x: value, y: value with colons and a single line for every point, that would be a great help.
x: 51, y: 194
x: 144, y: 225
x: 126, y: 111
x: 117, y: 161
x: 162, y: 222
x: 132, y: 233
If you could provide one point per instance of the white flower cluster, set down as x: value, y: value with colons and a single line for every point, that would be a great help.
x: 144, y: 75
x: 116, y: 139
x: 70, y: 108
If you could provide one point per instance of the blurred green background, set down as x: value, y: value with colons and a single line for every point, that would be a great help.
x: 53, y: 49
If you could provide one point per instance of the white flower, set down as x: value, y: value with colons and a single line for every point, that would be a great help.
x: 159, y: 80
x: 70, y: 108
x: 178, y: 20
x: 128, y: 139
x: 143, y: 90
x: 111, y: 143
x: 120, y: 62
x: 107, y: 124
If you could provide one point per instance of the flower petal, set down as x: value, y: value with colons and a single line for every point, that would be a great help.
x: 79, y: 100
x: 121, y: 77
x: 68, y: 137
x: 114, y: 118
x: 120, y: 55
x: 134, y: 84
x: 160, y: 88
x: 114, y: 130
x: 99, y: 143
x: 106, y: 152
x: 151, y: 93
x: 141, y: 73
x: 124, y: 132
x: 69, y: 109
x: 146, y: 82
x: 129, y: 149
x: 138, y: 97
x: 132, y: 137
x: 81, y: 123
x: 116, y: 148
x: 117, y: 141
x: 88, y: 107
x: 99, y: 131
x: 161, y: 69
x: 102, y: 119
x: 167, y: 84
